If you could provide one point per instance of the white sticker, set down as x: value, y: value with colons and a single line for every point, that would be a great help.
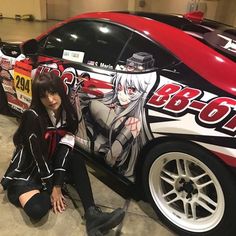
x: 76, y: 56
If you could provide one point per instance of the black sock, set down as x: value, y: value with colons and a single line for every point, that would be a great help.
x: 38, y: 205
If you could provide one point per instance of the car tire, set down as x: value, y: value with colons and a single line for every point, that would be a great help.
x: 4, y: 108
x: 192, y: 192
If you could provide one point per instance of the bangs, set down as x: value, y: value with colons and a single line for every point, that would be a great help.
x: 43, y: 89
x: 45, y: 84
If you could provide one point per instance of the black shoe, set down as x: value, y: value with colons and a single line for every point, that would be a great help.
x: 98, y: 222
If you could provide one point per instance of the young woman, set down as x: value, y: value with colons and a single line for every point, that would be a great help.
x: 44, y: 154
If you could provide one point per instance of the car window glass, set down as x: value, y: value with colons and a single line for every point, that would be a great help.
x: 141, y: 54
x: 12, y: 50
x: 94, y: 43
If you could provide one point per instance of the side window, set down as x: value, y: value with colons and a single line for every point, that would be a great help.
x: 142, y: 54
x: 106, y: 45
x: 94, y: 43
x: 69, y: 41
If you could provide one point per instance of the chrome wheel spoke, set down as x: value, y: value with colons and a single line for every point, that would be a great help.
x: 187, y: 169
x: 170, y: 174
x: 205, y: 206
x: 179, y: 167
x: 196, y: 178
x: 207, y: 199
x: 169, y: 193
x: 194, y: 211
x: 205, y: 184
x: 173, y: 200
x: 186, y: 209
x: 167, y: 180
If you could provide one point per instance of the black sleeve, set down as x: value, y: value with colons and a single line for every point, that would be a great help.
x: 33, y: 135
x: 60, y: 156
x: 60, y: 163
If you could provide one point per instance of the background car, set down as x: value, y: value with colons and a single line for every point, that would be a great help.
x: 156, y: 98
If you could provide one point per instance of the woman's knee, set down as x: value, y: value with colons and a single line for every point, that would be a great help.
x: 37, y: 206
x: 25, y: 197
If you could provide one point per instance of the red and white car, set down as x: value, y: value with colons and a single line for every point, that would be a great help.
x: 156, y: 95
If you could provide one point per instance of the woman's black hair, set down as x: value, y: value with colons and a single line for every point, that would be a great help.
x: 49, y: 82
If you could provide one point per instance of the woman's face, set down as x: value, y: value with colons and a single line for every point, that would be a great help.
x: 51, y: 101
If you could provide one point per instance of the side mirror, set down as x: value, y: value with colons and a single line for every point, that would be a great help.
x: 29, y: 47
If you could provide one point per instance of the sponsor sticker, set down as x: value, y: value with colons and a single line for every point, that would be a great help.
x: 76, y: 56
x: 23, y: 82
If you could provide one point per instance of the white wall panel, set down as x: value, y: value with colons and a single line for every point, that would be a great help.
x: 226, y: 12
x: 10, y: 8
x: 58, y: 9
x: 61, y: 9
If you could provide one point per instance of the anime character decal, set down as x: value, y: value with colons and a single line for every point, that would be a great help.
x: 118, y: 120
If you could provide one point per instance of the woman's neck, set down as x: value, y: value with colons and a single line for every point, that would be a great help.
x: 57, y: 114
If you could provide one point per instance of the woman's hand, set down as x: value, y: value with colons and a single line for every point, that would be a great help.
x: 58, y: 200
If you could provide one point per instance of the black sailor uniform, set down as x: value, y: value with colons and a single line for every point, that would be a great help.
x: 30, y: 168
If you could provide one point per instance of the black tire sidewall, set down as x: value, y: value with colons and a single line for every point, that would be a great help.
x: 224, y: 176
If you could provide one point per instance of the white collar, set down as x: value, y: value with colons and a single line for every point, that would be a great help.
x: 53, y: 119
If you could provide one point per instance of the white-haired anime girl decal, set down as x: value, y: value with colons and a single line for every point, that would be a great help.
x: 119, y: 116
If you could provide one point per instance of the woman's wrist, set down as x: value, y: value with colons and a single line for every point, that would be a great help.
x: 57, y: 188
